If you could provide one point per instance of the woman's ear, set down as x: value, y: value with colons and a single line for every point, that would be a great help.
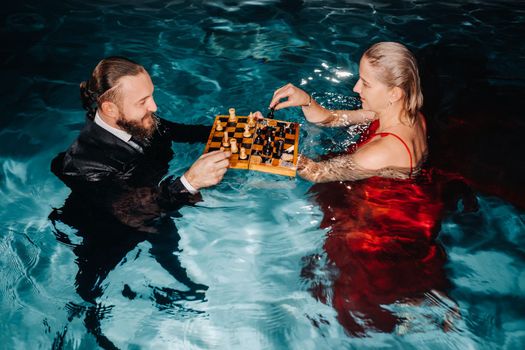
x: 396, y: 94
x: 110, y: 109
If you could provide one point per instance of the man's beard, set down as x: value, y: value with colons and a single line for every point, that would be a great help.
x: 136, y: 129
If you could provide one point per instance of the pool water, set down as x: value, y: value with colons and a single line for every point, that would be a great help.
x: 240, y: 270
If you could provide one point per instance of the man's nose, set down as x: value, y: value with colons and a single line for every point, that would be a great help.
x: 152, y: 106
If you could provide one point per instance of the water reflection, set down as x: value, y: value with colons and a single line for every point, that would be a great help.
x: 104, y: 246
x: 382, y: 254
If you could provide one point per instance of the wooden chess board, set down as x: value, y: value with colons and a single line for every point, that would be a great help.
x: 271, y: 147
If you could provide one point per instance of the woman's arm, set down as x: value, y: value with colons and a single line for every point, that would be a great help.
x: 338, y: 118
x: 313, y: 111
x: 375, y: 159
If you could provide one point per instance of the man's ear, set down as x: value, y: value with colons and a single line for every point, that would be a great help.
x: 109, y: 109
x: 396, y: 94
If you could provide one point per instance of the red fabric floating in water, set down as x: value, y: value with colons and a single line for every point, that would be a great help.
x: 382, y: 240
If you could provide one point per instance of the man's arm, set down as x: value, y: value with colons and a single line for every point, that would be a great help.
x: 111, y: 194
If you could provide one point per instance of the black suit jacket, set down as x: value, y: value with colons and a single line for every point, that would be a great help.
x: 115, y: 179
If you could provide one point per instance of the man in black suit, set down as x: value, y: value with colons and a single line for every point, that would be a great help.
x: 116, y: 169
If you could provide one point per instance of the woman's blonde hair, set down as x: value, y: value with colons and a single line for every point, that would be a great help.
x: 398, y: 67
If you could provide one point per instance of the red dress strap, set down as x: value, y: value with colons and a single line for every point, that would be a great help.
x: 370, y: 133
x: 383, y: 134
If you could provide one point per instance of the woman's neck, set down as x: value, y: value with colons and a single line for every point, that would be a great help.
x: 392, y: 116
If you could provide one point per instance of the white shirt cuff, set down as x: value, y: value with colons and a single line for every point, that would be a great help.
x: 188, y: 186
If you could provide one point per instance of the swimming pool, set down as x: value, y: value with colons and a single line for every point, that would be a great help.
x: 254, y: 249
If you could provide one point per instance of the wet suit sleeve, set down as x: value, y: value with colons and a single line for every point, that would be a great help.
x: 111, y: 194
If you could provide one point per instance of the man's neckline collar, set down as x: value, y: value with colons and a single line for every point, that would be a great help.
x: 121, y: 134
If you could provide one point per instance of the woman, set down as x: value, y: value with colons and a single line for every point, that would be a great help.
x: 382, y: 229
x: 391, y: 97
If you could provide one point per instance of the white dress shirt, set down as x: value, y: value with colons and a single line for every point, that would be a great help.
x: 124, y: 136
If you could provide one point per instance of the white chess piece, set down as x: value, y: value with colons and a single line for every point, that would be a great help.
x: 233, y: 144
x: 218, y: 125
x: 232, y: 117
x: 247, y: 132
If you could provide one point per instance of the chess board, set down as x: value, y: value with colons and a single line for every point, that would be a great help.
x: 271, y: 146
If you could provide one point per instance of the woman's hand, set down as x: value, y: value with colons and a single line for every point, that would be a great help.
x: 307, y: 168
x: 293, y: 95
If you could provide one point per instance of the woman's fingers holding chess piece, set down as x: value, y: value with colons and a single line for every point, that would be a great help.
x: 208, y: 170
x: 292, y: 96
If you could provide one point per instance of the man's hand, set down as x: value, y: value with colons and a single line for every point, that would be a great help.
x: 208, y: 170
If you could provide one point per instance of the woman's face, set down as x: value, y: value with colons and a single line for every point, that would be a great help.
x: 375, y: 95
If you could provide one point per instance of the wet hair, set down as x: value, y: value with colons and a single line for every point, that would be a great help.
x: 398, y: 68
x: 104, y: 82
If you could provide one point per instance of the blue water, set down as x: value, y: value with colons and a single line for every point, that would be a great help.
x: 246, y: 241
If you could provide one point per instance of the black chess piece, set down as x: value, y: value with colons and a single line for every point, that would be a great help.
x: 267, y: 149
x: 258, y: 140
x: 270, y: 113
x: 279, y: 145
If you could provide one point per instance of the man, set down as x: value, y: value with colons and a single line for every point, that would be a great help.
x: 120, y: 197
x: 122, y: 154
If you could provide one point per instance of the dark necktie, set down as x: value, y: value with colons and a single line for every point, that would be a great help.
x: 137, y: 144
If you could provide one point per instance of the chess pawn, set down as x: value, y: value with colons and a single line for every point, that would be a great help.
x: 251, y: 120
x: 232, y: 115
x: 233, y: 145
x: 243, y: 155
x: 225, y: 141
x: 218, y: 125
x: 279, y: 148
x: 267, y: 149
x: 247, y: 132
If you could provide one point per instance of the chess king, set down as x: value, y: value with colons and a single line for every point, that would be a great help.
x: 122, y: 153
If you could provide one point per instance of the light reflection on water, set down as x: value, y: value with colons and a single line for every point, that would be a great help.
x: 250, y: 238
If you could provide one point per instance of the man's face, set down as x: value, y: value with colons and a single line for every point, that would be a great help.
x: 136, y: 106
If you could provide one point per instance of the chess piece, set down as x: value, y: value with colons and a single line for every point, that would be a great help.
x: 243, y: 154
x: 218, y: 125
x: 251, y: 120
x: 270, y: 113
x: 258, y: 140
x: 267, y: 149
x: 247, y: 132
x: 233, y: 145
x: 280, y: 132
x: 232, y: 117
x: 279, y: 145
x: 291, y: 129
x: 225, y: 141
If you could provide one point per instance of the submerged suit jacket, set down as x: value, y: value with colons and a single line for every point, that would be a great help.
x: 114, y: 178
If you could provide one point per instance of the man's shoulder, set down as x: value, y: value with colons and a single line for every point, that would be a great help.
x: 92, y: 156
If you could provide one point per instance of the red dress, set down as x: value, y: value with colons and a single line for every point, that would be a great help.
x: 382, y: 242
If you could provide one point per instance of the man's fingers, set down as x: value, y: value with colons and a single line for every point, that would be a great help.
x: 210, y: 154
x: 222, y: 171
x: 216, y: 156
x: 223, y: 164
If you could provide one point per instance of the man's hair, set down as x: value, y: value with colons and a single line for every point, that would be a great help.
x: 398, y: 67
x: 104, y: 82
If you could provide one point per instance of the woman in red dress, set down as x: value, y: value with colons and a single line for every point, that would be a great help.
x: 380, y: 205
